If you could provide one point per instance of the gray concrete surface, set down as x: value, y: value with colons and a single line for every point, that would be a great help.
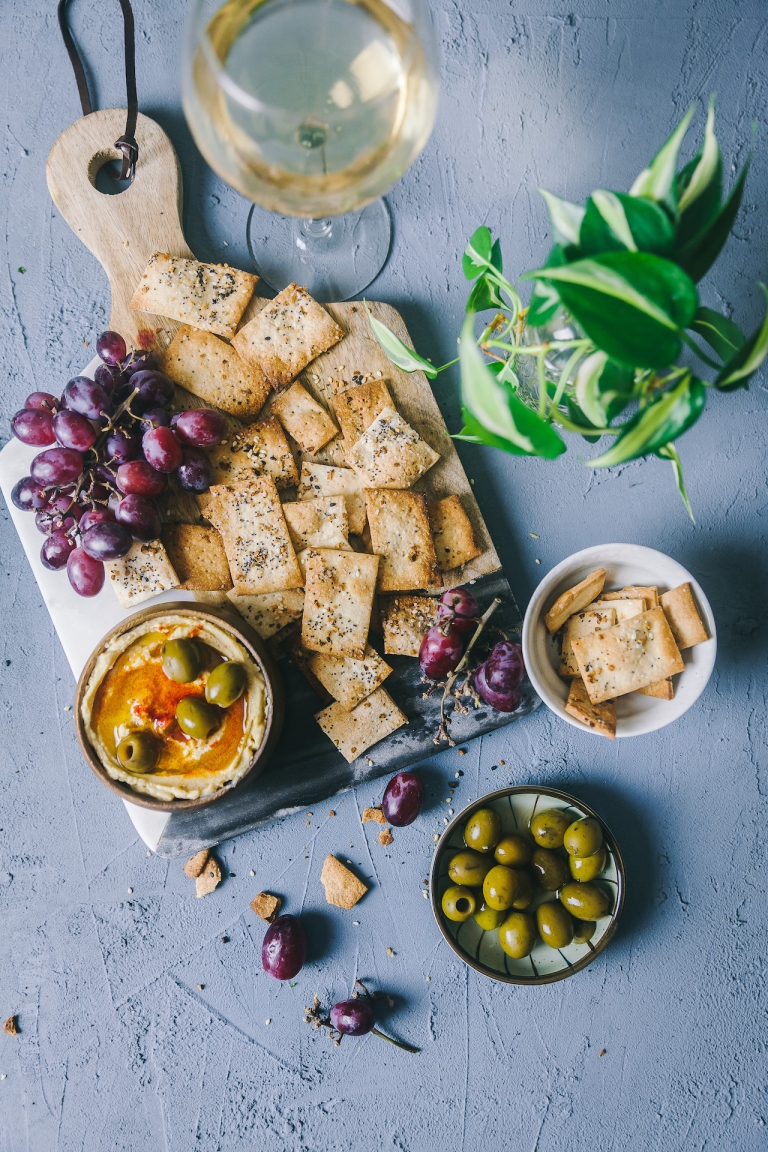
x: 661, y: 1044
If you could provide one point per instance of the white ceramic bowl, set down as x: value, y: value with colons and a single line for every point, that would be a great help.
x: 624, y: 564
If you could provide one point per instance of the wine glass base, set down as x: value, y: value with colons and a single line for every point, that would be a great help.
x: 334, y: 259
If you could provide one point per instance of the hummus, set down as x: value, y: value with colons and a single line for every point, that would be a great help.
x: 128, y: 691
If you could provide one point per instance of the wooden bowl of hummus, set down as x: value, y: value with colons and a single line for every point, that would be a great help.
x: 123, y: 690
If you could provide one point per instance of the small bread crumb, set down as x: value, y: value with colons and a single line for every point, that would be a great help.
x: 11, y: 1026
x: 209, y: 878
x: 375, y: 814
x: 194, y: 867
x: 266, y: 905
x: 385, y: 837
x: 391, y: 952
x: 601, y: 1052
x: 331, y: 813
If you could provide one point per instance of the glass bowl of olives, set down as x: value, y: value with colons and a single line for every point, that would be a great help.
x: 527, y: 885
x: 175, y: 688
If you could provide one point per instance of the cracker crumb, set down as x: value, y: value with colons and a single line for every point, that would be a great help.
x: 200, y: 987
x: 266, y: 906
x: 194, y: 867
x: 502, y: 762
x: 130, y: 891
x: 391, y: 952
x: 356, y: 923
x: 342, y: 887
x: 462, y: 751
x: 435, y: 835
x: 425, y: 894
x: 385, y: 837
x: 429, y: 978
x: 374, y: 814
x: 268, y: 1020
x: 252, y: 873
x: 602, y: 1052
x: 533, y: 535
x: 331, y: 813
x: 11, y: 1026
x: 209, y: 878
x: 148, y: 852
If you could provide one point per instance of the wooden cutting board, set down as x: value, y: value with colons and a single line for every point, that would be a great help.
x: 123, y: 231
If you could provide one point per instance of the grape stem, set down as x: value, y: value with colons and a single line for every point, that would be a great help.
x: 442, y: 732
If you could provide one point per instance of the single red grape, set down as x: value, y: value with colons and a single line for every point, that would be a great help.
x: 139, y: 361
x: 96, y: 516
x: 73, y: 430
x: 140, y: 517
x: 461, y: 608
x: 403, y: 799
x: 107, y: 541
x: 57, y: 466
x: 200, y: 427
x: 56, y: 550
x: 42, y: 400
x: 86, y: 575
x: 161, y: 449
x: 138, y: 478
x: 28, y: 495
x: 110, y: 346
x: 121, y: 445
x: 155, y: 418
x: 33, y: 426
x: 109, y: 378
x: 504, y: 667
x: 86, y: 397
x: 353, y: 1017
x: 195, y: 473
x: 155, y: 389
x: 284, y: 948
x: 440, y: 651
x: 504, y: 700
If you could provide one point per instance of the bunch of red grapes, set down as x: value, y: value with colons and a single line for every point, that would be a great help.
x: 498, y: 678
x: 110, y: 445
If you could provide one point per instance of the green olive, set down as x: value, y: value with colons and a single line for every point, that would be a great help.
x: 513, y: 850
x: 458, y: 903
x: 583, y: 930
x: 225, y: 684
x: 483, y: 830
x: 500, y: 887
x: 196, y: 718
x: 585, y: 901
x: 517, y: 935
x: 583, y: 837
x: 138, y: 752
x: 554, y: 924
x: 587, y: 867
x: 468, y: 867
x: 548, y: 828
x: 489, y: 918
x: 525, y: 891
x: 182, y: 660
x: 549, y: 869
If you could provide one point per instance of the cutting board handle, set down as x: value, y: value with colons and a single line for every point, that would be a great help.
x: 122, y: 231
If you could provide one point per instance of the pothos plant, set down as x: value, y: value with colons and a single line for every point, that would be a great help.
x: 613, y: 310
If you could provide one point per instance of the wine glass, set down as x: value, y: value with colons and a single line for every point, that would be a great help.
x: 312, y: 109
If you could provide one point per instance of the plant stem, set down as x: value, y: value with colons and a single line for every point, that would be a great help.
x: 397, y: 1043
x: 448, y: 365
x: 569, y: 426
x: 462, y: 664
x: 572, y: 361
x: 542, y: 383
x: 535, y: 349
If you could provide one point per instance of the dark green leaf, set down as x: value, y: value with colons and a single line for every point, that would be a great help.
x: 603, y: 388
x: 719, y: 332
x: 614, y: 222
x: 669, y: 452
x: 399, y: 353
x: 484, y: 295
x: 474, y: 433
x: 745, y: 363
x: 666, y: 418
x: 698, y: 254
x: 657, y: 181
x: 576, y: 416
x: 496, y: 259
x: 496, y: 408
x: 700, y: 186
x: 565, y: 217
x: 477, y: 254
x: 632, y: 305
x: 544, y: 298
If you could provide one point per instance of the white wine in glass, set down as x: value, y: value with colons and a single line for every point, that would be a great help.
x: 312, y: 109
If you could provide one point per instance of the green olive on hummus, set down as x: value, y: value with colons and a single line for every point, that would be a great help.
x: 132, y: 710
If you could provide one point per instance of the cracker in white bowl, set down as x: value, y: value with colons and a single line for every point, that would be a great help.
x: 627, y: 656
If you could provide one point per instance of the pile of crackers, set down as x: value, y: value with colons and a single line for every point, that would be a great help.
x: 314, y: 532
x: 614, y: 643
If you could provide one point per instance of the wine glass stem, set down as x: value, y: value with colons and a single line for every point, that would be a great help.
x: 316, y: 229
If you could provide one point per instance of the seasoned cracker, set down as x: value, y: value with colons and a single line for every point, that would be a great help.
x: 582, y: 624
x: 349, y: 681
x: 259, y: 449
x: 286, y: 334
x: 194, y: 867
x: 270, y: 612
x: 342, y: 887
x: 340, y: 587
x: 625, y: 608
x: 299, y: 656
x: 211, y: 370
x: 649, y: 593
x: 198, y: 557
x: 303, y: 418
x: 601, y: 718
x: 355, y: 732
x: 266, y: 906
x: 209, y: 878
x: 324, y: 480
x: 627, y: 656
x: 356, y: 408
x: 688, y: 627
x: 374, y: 814
x: 320, y: 523
x: 662, y: 690
x: 143, y: 572
x: 452, y: 533
x: 390, y: 454
x: 209, y: 296
x: 256, y: 539
x: 400, y: 534
x: 405, y: 621
x: 574, y: 599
